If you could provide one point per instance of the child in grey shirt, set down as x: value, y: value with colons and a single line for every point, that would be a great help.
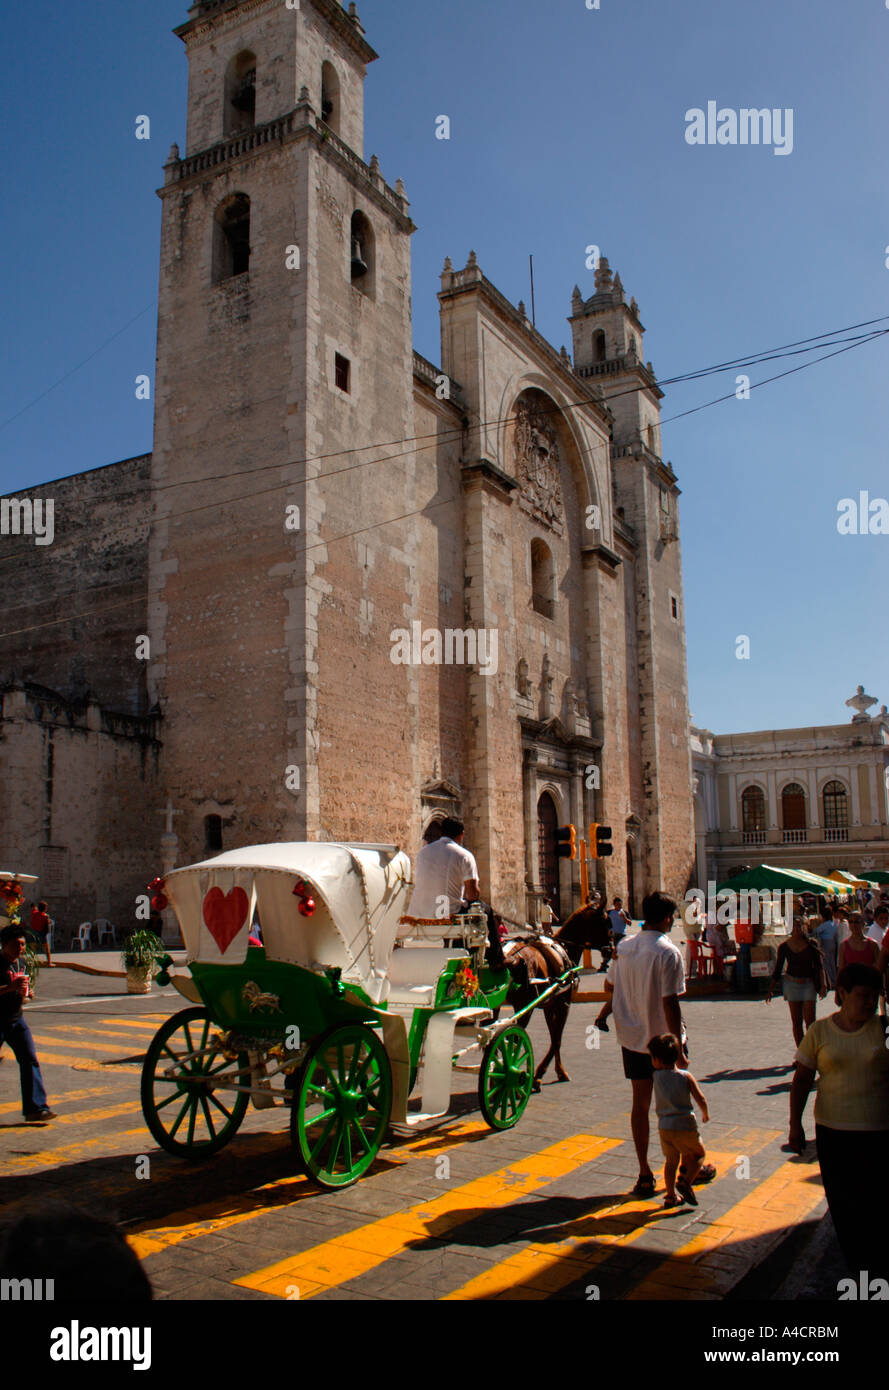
x: 674, y: 1092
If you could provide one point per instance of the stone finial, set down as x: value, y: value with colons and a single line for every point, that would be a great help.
x: 303, y: 96
x: 472, y: 262
x: 861, y: 703
x: 521, y: 308
x: 563, y: 353
x: 448, y: 266
x: 374, y: 165
x: 576, y: 299
x: 603, y: 276
x: 634, y: 308
x: 618, y: 284
x: 173, y: 156
x: 400, y: 188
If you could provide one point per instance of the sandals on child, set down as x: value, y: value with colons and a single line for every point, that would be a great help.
x: 645, y: 1186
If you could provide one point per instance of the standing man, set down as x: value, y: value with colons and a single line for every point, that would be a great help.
x: 13, y: 1028
x: 619, y: 920
x: 645, y: 982
x: 41, y: 926
x: 446, y: 882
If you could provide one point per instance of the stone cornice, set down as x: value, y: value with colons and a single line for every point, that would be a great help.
x: 298, y: 124
x: 606, y: 559
x: 205, y: 14
x: 553, y: 732
x: 471, y: 280
x: 490, y: 475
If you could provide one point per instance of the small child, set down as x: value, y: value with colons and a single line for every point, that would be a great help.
x: 674, y: 1092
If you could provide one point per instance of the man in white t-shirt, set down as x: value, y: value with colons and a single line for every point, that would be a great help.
x: 446, y: 880
x: 445, y: 875
x: 645, y: 980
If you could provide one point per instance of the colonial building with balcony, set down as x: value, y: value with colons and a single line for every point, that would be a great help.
x: 813, y: 798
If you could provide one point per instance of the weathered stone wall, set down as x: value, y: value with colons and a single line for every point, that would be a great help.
x: 82, y: 782
x: 72, y: 610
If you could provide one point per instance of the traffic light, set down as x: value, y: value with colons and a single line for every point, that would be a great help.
x: 566, y: 836
x: 600, y: 841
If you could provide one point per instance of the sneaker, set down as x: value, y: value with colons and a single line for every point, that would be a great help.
x: 40, y: 1116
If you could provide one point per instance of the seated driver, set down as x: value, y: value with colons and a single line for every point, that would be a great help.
x: 446, y: 882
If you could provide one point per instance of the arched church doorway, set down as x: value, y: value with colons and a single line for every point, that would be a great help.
x: 631, y: 885
x: 547, y: 851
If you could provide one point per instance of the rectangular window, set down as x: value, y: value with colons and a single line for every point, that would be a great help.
x: 341, y: 372
x: 674, y: 608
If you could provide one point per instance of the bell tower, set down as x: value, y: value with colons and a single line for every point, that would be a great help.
x: 284, y: 351
x: 608, y: 350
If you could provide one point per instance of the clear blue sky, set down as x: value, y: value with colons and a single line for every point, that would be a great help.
x: 568, y: 129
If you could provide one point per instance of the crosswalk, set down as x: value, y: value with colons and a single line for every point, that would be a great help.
x: 550, y: 1242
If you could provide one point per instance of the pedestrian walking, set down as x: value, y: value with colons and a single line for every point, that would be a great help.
x: 41, y: 927
x: 804, y: 981
x: 619, y: 920
x: 645, y: 982
x: 847, y: 1054
x: 826, y: 935
x: 674, y: 1092
x: 857, y: 949
x: 13, y: 1028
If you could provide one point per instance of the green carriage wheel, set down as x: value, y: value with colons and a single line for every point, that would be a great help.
x: 185, y: 1113
x: 341, y: 1105
x: 506, y: 1078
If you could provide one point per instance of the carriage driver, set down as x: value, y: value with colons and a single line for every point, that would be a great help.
x: 446, y: 872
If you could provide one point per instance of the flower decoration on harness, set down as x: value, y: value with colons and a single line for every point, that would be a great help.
x: 306, y: 901
x: 466, y: 981
x: 159, y: 899
x: 13, y: 896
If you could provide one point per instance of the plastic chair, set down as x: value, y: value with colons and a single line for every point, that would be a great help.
x: 84, y: 937
x: 699, y: 963
x: 107, y: 931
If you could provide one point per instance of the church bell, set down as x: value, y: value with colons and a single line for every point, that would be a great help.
x: 359, y: 265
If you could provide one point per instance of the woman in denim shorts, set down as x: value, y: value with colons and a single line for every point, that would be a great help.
x: 800, y: 968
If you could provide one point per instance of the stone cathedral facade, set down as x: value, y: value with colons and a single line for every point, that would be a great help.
x: 375, y: 590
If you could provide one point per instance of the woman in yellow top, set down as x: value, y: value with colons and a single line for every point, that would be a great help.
x: 850, y: 1054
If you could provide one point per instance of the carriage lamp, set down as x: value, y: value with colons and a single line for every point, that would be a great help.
x: 307, y: 902
x: 163, y: 975
x: 159, y: 899
x: 336, y: 984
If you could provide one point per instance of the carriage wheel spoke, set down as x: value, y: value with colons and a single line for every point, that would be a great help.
x: 181, y: 1116
x: 208, y: 1117
x: 219, y: 1106
x: 159, y: 1105
x: 324, y: 1138
x: 191, y: 1121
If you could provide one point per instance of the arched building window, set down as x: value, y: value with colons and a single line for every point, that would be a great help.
x: 543, y: 579
x: 330, y: 97
x: 753, y: 815
x: 599, y: 349
x: 793, y: 813
x: 212, y: 834
x: 240, y: 94
x: 363, y: 254
x: 231, y: 238
x: 836, y: 811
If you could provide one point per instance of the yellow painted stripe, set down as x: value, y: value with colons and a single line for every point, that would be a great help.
x: 354, y: 1253
x: 542, y: 1268
x: 70, y: 1096
x: 76, y: 1063
x: 61, y: 1039
x: 98, y: 1033
x: 710, y: 1265
x: 155, y: 1020
x: 73, y: 1153
x: 212, y: 1217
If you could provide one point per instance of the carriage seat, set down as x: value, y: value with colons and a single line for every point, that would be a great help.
x: 414, y: 973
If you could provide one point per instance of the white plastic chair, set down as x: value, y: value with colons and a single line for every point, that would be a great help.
x: 107, y: 931
x: 84, y: 937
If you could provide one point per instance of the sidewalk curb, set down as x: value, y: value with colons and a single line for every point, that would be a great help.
x: 85, y: 969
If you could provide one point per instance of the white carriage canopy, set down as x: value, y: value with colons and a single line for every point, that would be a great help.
x: 359, y: 893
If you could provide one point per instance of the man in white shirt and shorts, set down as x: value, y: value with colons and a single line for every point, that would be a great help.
x: 446, y: 882
x: 645, y: 981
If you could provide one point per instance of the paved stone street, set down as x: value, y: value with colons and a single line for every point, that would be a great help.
x: 458, y: 1212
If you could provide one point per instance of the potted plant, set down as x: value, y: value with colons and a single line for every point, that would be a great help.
x: 141, y: 951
